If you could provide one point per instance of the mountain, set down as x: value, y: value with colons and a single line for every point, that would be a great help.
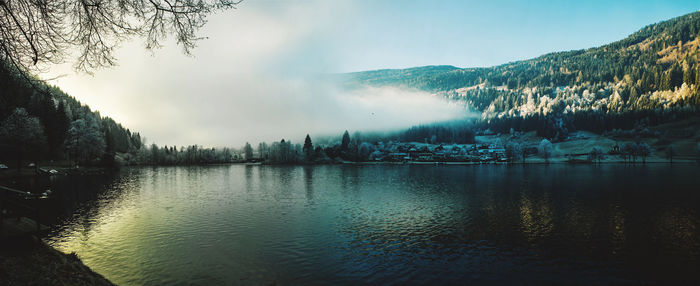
x: 653, y: 70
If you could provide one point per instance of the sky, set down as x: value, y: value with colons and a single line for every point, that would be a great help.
x: 252, y: 78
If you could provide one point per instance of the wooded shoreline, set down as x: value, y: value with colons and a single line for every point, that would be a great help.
x: 98, y: 170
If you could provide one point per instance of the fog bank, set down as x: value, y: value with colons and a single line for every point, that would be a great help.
x: 257, y: 78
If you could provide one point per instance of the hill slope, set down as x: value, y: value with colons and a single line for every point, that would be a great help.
x: 56, y: 113
x: 653, y: 69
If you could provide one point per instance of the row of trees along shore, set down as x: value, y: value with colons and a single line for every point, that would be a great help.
x: 633, y: 127
x: 357, y: 147
x: 83, y: 137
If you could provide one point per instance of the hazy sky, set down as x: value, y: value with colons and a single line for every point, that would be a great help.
x: 252, y: 79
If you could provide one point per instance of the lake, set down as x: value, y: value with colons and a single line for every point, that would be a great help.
x: 385, y: 224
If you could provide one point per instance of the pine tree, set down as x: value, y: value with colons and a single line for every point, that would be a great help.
x: 345, y: 142
x: 308, y: 149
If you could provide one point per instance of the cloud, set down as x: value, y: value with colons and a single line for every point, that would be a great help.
x: 254, y: 79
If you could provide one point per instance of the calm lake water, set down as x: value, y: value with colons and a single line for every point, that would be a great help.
x: 386, y: 224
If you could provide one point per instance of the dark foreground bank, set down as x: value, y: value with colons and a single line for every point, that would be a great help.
x: 31, y: 262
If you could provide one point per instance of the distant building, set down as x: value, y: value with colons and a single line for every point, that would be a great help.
x: 398, y: 156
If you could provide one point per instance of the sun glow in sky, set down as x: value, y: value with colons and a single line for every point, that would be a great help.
x: 252, y: 79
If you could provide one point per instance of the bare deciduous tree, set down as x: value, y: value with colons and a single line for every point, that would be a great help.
x: 644, y: 150
x: 596, y: 155
x: 38, y: 32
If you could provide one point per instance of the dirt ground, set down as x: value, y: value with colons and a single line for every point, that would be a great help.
x: 28, y: 261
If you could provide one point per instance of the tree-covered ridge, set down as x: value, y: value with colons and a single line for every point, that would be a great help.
x: 68, y: 128
x: 652, y: 69
x: 393, y: 76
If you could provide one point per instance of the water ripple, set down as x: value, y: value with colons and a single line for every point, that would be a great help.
x: 386, y: 225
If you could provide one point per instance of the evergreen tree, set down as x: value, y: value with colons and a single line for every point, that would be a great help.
x: 21, y: 137
x: 345, y: 141
x: 308, y: 149
x: 61, y: 127
x: 84, y: 141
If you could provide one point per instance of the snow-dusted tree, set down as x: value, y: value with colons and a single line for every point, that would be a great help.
x: 364, y: 150
x: 263, y: 150
x: 514, y: 152
x: 248, y: 150
x: 21, y: 136
x: 84, y: 141
x: 226, y: 155
x: 545, y: 149
x: 284, y: 152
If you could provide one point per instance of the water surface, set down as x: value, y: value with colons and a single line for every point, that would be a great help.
x: 382, y: 224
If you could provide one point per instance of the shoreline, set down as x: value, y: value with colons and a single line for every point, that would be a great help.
x: 10, y: 174
x: 529, y: 161
x: 33, y: 262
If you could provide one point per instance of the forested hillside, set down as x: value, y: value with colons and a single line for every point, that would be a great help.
x: 41, y: 122
x: 651, y: 75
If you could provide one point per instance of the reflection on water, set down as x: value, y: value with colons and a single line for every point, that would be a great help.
x: 240, y: 224
x: 536, y: 217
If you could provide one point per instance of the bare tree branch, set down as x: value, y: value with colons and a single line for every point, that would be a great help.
x: 37, y: 33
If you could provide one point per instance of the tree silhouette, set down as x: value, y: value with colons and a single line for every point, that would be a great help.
x: 345, y: 142
x: 596, y: 155
x: 308, y: 149
x: 644, y: 151
x: 671, y: 152
x: 44, y: 32
x: 21, y: 136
